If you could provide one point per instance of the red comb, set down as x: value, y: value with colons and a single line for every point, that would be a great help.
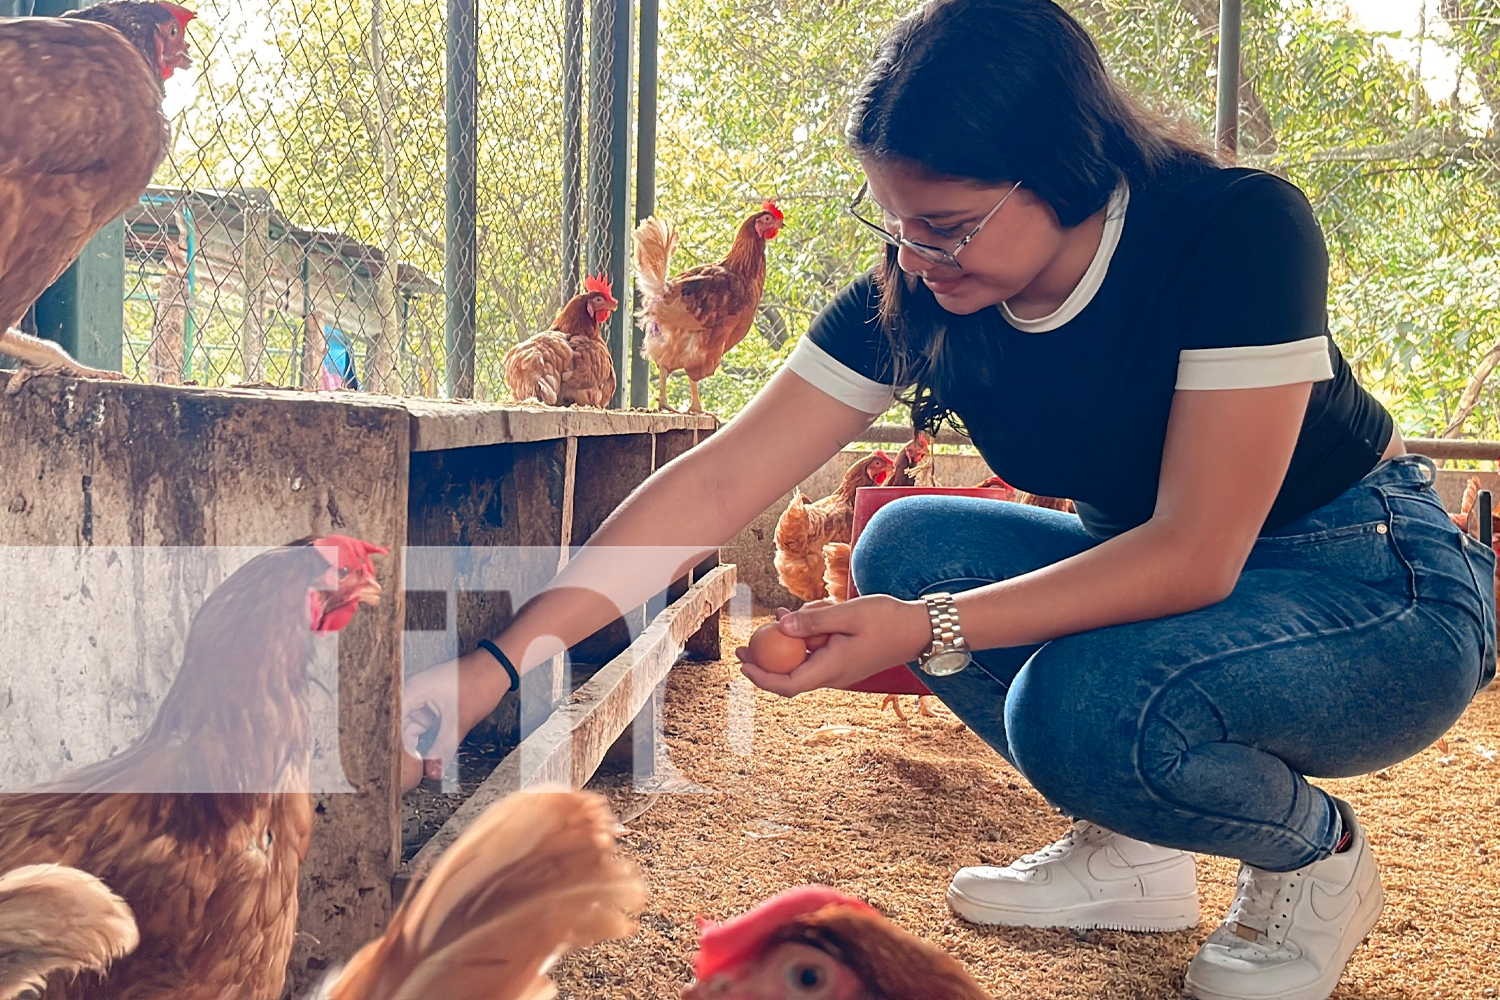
x: 598, y: 283
x: 182, y: 14
x: 722, y: 946
x: 352, y: 551
x: 769, y: 205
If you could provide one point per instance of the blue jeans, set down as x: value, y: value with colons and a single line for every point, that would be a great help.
x: 1354, y: 638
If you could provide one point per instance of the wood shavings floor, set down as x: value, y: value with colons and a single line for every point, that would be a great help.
x: 888, y: 812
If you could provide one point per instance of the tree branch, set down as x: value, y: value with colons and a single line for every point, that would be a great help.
x: 1478, y: 35
x: 1421, y: 144
x: 1470, y: 399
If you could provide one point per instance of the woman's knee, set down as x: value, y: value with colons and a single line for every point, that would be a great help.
x: 1073, y: 730
x: 918, y: 542
x: 895, y: 545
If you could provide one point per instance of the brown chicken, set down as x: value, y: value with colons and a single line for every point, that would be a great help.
x: 535, y: 877
x: 806, y: 526
x: 212, y: 878
x: 569, y: 363
x: 691, y: 321
x: 913, y: 463
x: 81, y: 132
x: 1021, y: 496
x: 58, y: 921
x: 814, y: 943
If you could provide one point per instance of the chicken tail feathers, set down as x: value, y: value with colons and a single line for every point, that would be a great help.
x: 655, y: 241
x: 836, y: 570
x: 535, y: 877
x: 58, y: 920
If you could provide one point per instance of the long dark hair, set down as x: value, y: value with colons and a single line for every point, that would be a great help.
x: 996, y: 91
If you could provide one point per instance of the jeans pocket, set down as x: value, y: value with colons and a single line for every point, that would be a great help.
x: 1481, y: 560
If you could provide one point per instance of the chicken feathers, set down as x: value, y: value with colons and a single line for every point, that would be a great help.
x: 58, y: 921
x: 535, y: 877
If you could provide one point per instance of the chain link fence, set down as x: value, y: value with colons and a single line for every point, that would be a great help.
x: 299, y: 233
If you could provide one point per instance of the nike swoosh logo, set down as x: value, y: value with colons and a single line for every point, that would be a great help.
x: 1330, y: 907
x: 1102, y: 867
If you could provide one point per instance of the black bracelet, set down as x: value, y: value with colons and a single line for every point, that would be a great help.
x: 510, y: 668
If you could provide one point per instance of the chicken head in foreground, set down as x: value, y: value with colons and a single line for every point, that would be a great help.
x: 815, y: 943
x: 81, y: 133
x: 535, y: 877
x: 202, y: 824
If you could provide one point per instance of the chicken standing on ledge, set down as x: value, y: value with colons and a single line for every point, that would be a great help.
x: 81, y: 133
x: 691, y: 321
x: 569, y: 363
x: 815, y: 942
x: 535, y: 877
x: 202, y: 824
x: 806, y: 526
x: 58, y: 921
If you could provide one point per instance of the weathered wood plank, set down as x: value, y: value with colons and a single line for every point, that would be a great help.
x: 567, y: 749
x: 443, y: 424
x: 95, y: 465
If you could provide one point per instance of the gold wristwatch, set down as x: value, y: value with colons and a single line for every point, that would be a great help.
x: 949, y: 653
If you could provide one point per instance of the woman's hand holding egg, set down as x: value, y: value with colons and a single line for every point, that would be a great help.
x: 841, y: 644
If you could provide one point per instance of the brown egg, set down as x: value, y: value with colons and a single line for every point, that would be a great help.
x: 776, y: 652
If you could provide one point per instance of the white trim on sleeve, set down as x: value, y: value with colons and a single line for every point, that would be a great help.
x: 837, y: 379
x: 1255, y: 367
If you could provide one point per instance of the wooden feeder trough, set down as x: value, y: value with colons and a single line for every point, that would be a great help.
x: 98, y: 464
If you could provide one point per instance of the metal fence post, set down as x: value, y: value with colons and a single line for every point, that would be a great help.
x: 645, y: 185
x: 1227, y: 112
x: 609, y: 161
x: 572, y: 145
x: 461, y: 244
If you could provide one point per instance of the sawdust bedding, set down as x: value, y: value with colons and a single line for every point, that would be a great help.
x: 835, y: 791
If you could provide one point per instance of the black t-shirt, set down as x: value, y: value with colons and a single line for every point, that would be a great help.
x: 1216, y: 279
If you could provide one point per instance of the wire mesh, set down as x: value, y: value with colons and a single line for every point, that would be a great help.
x: 298, y: 234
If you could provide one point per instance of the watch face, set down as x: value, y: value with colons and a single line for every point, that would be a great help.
x: 950, y: 662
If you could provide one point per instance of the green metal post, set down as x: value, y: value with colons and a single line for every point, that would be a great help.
x: 645, y: 185
x: 609, y: 161
x: 572, y: 144
x: 84, y: 311
x: 461, y: 250
x: 1227, y: 113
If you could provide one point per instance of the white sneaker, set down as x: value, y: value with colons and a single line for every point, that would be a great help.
x: 1090, y: 878
x: 1289, y: 935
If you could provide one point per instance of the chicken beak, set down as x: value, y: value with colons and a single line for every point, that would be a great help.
x: 370, y: 593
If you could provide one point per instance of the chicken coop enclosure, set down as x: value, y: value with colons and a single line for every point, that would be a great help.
x: 453, y: 170
x: 479, y: 505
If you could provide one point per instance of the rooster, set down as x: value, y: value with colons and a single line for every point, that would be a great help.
x: 81, y: 133
x: 58, y: 921
x: 212, y: 878
x: 816, y: 942
x: 569, y: 363
x: 691, y: 321
x: 535, y: 877
x: 807, y: 526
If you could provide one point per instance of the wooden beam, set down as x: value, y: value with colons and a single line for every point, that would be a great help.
x: 439, y: 424
x: 567, y: 749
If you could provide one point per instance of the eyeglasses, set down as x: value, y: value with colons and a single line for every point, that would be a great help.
x: 931, y: 254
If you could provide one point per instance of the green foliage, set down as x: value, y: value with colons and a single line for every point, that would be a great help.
x: 752, y: 105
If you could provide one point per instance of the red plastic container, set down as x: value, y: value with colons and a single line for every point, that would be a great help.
x: 867, y: 500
